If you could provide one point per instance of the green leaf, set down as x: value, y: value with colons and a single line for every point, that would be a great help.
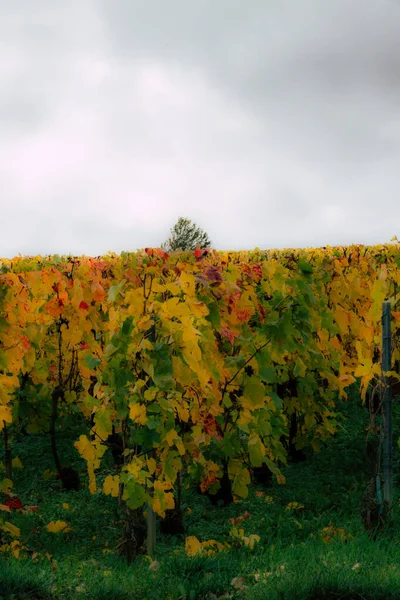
x: 300, y: 368
x: 115, y: 290
x: 172, y: 464
x: 278, y: 402
x: 102, y: 420
x: 214, y: 316
x: 127, y: 327
x: 235, y: 361
x: 91, y: 361
x: 267, y: 374
x: 163, y: 372
x: 272, y: 466
x: 134, y: 495
x: 256, y: 455
x: 253, y: 394
x: 305, y: 266
x: 3, y: 325
x: 240, y: 483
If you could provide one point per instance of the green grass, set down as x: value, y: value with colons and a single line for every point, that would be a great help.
x: 291, y: 560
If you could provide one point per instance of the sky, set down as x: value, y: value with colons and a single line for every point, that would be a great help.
x: 268, y: 123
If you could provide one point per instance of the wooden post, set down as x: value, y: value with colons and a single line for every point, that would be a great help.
x: 151, y: 515
x: 151, y: 530
x: 387, y: 404
x: 7, y: 453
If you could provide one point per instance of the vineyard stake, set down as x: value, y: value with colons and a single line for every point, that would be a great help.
x: 151, y: 515
x: 387, y: 403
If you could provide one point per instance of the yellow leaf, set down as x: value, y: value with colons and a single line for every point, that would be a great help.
x: 65, y: 506
x: 111, y: 485
x: 169, y: 500
x: 171, y: 436
x: 183, y: 413
x: 138, y: 385
x: 5, y: 414
x: 16, y: 463
x: 136, y: 468
x: 158, y: 505
x: 174, y: 308
x: 294, y: 506
x: 85, y: 448
x: 187, y: 283
x: 57, y: 527
x: 342, y: 319
x: 5, y: 507
x: 151, y: 393
x: 144, y: 323
x: 92, y: 478
x: 135, y: 302
x: 137, y: 412
x: 15, y: 548
x: 151, y: 465
x: 198, y: 309
x: 244, y: 419
x: 192, y: 546
x: 15, y: 531
x: 251, y: 540
x: 5, y: 484
x: 378, y: 295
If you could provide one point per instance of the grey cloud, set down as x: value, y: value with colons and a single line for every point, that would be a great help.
x: 328, y: 72
x: 269, y: 123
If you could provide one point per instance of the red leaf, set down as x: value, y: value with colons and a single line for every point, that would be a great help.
x: 228, y: 334
x: 243, y: 315
x: 200, y: 252
x: 14, y: 502
x: 257, y: 270
x: 213, y: 274
x: 83, y: 305
x: 31, y: 508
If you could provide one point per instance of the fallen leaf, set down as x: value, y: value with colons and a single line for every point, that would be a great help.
x: 58, y: 526
x: 192, y: 546
x: 238, y: 583
x: 15, y: 531
x: 31, y: 509
x: 154, y: 565
x: 14, y: 503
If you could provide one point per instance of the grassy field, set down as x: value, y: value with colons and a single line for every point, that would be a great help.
x: 312, y: 542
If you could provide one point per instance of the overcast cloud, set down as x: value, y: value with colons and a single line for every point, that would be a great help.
x: 269, y: 123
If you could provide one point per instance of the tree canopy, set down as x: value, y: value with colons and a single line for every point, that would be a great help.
x: 185, y: 235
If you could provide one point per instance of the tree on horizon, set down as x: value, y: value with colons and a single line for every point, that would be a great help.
x: 185, y: 235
